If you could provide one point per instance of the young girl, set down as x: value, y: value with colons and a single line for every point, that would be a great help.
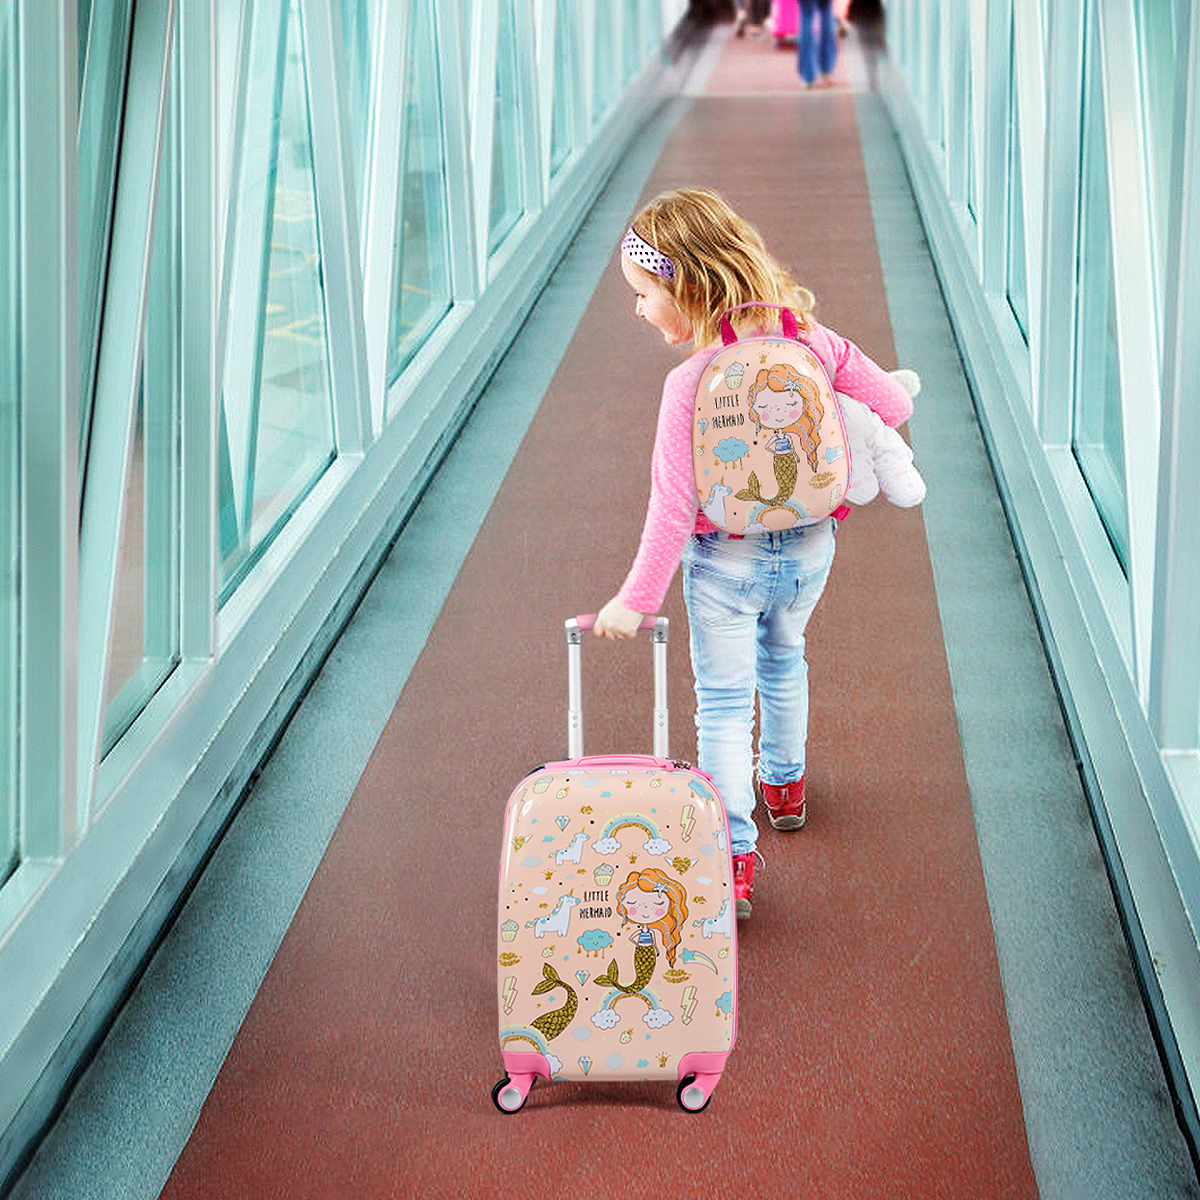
x: 688, y: 256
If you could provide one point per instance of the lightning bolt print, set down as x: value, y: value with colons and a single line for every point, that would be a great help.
x: 689, y: 1004
x: 687, y: 821
x: 510, y: 992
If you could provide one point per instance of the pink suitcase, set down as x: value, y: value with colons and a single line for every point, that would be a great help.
x: 616, y: 932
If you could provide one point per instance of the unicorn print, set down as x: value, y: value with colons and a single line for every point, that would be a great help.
x: 557, y: 920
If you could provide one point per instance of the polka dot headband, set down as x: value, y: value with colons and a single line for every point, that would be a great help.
x: 645, y: 255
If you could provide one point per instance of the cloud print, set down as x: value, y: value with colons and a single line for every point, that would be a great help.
x: 656, y: 1018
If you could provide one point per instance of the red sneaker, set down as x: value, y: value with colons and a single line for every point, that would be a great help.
x: 785, y: 803
x: 743, y: 882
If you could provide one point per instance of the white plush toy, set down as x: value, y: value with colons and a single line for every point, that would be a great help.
x: 880, y: 459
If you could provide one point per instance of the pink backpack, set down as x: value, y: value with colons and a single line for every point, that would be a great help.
x: 768, y: 443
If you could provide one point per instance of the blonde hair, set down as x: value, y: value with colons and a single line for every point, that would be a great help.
x: 783, y: 377
x: 720, y: 261
x: 671, y: 923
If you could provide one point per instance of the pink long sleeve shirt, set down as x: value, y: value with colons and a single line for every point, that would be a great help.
x: 674, y: 512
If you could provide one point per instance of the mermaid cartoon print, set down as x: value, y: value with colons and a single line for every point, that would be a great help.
x: 788, y: 405
x: 657, y: 906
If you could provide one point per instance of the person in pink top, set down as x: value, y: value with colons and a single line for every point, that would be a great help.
x: 688, y: 257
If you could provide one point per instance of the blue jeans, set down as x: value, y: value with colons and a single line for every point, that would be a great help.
x: 821, y: 53
x: 748, y: 602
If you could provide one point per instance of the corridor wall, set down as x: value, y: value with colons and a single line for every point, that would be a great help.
x: 259, y: 258
x: 1054, y: 151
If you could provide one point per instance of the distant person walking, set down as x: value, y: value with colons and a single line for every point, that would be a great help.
x: 816, y: 55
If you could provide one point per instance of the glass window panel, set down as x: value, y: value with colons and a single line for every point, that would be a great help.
x: 1018, y: 299
x: 102, y: 101
x: 229, y: 40
x: 1160, y: 34
x: 507, y: 202
x: 422, y: 275
x: 9, y: 463
x: 277, y: 433
x: 933, y: 77
x: 144, y: 645
x: 566, y: 34
x: 358, y: 27
x: 652, y: 33
x: 1096, y: 437
x: 968, y: 74
x: 630, y: 48
x: 602, y: 64
x: 82, y: 16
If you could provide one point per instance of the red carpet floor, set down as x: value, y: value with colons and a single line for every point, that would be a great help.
x: 873, y: 1057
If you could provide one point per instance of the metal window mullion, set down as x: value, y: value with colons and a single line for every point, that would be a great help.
x: 617, y: 16
x: 1031, y: 123
x: 958, y: 115
x: 49, y: 426
x: 977, y: 33
x: 617, y: 58
x: 1057, y: 299
x: 464, y: 278
x: 1134, y: 292
x: 100, y: 110
x: 934, y: 115
x: 483, y: 86
x: 898, y: 29
x: 951, y: 97
x: 161, y: 378
x: 585, y: 79
x: 532, y: 113
x: 249, y: 245
x: 545, y: 75
x: 198, y: 579
x: 117, y: 375
x: 573, y: 41
x: 383, y: 201
x: 1174, y: 693
x: 337, y: 227
x: 993, y: 192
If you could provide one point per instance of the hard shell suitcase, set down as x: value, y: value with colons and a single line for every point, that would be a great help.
x: 617, y: 937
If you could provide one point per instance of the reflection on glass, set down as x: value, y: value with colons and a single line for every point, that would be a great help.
x: 422, y: 296
x: 933, y: 89
x: 506, y: 205
x: 1096, y: 437
x: 1018, y: 299
x: 358, y: 24
x: 630, y: 48
x: 82, y: 16
x: 144, y: 646
x: 566, y: 71
x: 277, y: 434
x: 970, y: 120
x: 230, y: 15
x: 652, y: 33
x: 602, y: 80
x: 102, y: 99
x: 9, y: 464
x: 1160, y: 33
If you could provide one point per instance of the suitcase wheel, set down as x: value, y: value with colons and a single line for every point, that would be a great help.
x: 692, y: 1096
x: 508, y: 1097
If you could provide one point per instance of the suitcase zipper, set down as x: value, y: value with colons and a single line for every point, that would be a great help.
x: 616, y: 762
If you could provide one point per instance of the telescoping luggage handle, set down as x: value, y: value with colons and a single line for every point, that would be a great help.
x: 576, y: 628
x: 791, y: 328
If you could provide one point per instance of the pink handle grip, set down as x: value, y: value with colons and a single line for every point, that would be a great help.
x: 791, y: 328
x: 588, y: 622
